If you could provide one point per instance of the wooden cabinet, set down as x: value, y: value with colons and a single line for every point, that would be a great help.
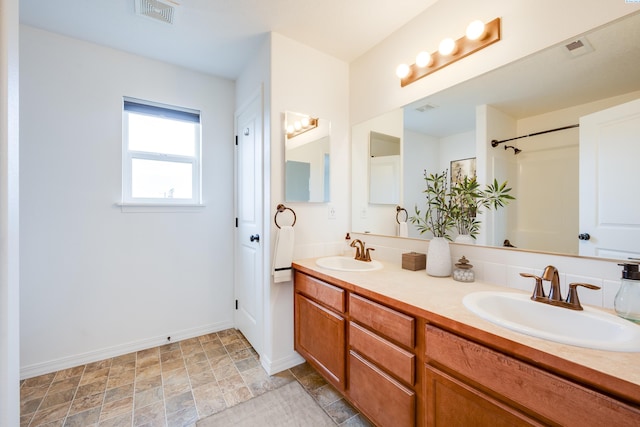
x: 402, y: 367
x: 483, y: 379
x: 381, y: 362
x: 378, y: 395
x: 320, y: 333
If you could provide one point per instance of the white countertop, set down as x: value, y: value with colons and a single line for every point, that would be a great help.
x: 443, y: 297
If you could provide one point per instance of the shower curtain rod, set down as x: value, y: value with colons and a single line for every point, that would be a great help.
x: 495, y: 143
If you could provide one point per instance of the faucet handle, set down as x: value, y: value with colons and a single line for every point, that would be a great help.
x: 538, y: 291
x: 367, y: 256
x: 573, y: 302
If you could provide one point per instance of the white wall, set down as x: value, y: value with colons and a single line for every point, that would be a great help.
x: 96, y: 281
x: 527, y: 27
x: 309, y: 82
x: 9, y: 216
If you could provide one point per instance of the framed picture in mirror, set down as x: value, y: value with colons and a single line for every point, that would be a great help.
x: 462, y: 168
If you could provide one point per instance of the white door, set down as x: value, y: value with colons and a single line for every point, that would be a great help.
x: 249, y: 243
x: 609, y: 177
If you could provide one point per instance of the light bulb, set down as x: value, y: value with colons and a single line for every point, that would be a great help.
x: 305, y: 122
x: 447, y: 46
x: 475, y: 30
x: 423, y: 59
x: 290, y: 129
x: 402, y: 71
x: 297, y: 125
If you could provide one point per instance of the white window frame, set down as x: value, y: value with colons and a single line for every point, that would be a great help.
x: 129, y: 155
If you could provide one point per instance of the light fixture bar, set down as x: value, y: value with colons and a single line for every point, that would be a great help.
x: 464, y: 47
x: 299, y: 128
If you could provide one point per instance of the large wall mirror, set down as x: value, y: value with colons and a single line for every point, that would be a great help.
x: 307, y: 158
x: 561, y: 193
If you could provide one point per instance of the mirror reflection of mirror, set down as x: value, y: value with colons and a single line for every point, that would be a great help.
x: 307, y: 158
x: 556, y: 87
x: 384, y: 169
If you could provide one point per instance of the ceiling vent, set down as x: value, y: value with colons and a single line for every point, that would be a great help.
x: 424, y: 108
x: 578, y: 47
x: 162, y: 11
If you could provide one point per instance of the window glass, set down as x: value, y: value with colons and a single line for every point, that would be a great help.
x: 161, y: 154
x: 160, y: 135
x: 153, y: 179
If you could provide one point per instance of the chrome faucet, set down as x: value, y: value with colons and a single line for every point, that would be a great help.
x: 362, y: 253
x: 555, y: 295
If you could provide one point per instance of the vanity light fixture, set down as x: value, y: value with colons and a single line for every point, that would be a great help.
x: 301, y: 126
x: 478, y: 36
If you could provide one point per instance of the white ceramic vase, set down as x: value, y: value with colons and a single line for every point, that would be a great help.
x: 439, y: 257
x: 465, y: 238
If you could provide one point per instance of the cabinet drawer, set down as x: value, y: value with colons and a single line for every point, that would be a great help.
x: 388, y: 356
x: 320, y: 291
x: 549, y: 397
x: 390, y: 323
x: 381, y: 398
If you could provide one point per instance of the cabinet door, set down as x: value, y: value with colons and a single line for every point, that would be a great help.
x: 454, y: 403
x: 382, y: 399
x: 320, y: 338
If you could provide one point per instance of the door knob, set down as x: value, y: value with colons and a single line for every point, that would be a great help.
x: 584, y: 236
x: 255, y: 238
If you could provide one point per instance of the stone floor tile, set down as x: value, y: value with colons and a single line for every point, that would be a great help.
x: 146, y: 383
x: 116, y: 408
x: 236, y: 396
x: 148, y: 397
x: 325, y: 395
x: 121, y: 420
x: 340, y: 411
x: 85, y: 403
x: 55, y: 413
x: 184, y: 418
x: 357, y: 421
x: 179, y: 402
x: 118, y: 393
x: 150, y: 415
x: 312, y: 381
x: 83, y: 419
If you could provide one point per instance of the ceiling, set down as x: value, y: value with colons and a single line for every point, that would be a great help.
x: 546, y: 81
x: 219, y: 37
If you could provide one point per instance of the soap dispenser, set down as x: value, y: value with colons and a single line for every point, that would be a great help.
x: 627, y: 301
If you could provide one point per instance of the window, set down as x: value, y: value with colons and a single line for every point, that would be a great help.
x: 161, y: 154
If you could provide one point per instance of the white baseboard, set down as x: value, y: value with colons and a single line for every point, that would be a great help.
x: 36, y: 369
x: 273, y: 367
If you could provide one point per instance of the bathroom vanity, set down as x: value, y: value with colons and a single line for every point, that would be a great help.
x: 401, y: 347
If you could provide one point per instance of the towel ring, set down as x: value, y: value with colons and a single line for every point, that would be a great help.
x: 282, y: 208
x: 406, y: 214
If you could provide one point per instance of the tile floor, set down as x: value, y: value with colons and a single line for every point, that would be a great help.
x: 171, y: 385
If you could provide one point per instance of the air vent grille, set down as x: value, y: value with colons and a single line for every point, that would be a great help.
x: 426, y: 107
x: 578, y: 47
x: 155, y: 10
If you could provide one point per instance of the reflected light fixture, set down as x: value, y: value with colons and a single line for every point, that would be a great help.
x: 301, y: 126
x: 478, y: 36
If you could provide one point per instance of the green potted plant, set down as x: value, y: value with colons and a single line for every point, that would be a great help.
x: 454, y: 206
x: 466, y: 198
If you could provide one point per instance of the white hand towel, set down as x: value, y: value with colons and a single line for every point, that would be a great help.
x: 283, y: 255
x: 403, y: 231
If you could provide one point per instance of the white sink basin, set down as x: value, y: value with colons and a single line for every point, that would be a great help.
x: 343, y: 263
x: 590, y: 328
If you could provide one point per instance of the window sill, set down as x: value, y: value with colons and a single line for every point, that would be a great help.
x: 160, y: 207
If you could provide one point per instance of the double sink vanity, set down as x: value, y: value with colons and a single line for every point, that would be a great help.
x: 408, y: 349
